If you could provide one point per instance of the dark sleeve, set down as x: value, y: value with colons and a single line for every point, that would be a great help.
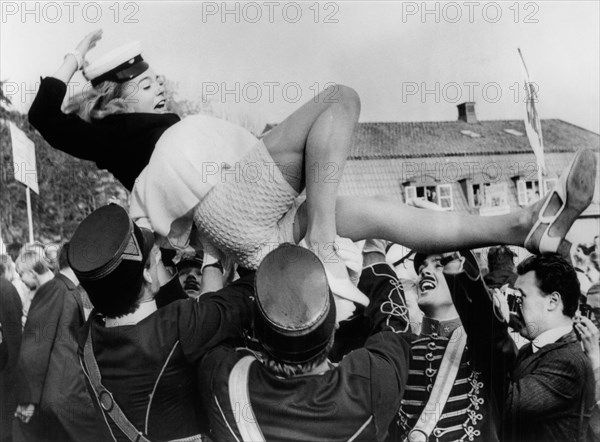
x: 171, y: 291
x: 492, y: 351
x: 11, y: 310
x: 552, y: 386
x: 387, y: 347
x: 39, y: 334
x: 68, y: 132
x: 217, y: 317
x: 3, y: 350
x: 384, y: 362
x: 387, y: 308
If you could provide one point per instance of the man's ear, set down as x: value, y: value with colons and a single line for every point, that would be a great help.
x: 147, y: 276
x: 555, y: 301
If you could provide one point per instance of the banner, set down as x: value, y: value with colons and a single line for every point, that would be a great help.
x: 533, y: 126
x: 24, y: 158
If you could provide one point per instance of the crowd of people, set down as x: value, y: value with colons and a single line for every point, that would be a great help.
x: 230, y: 308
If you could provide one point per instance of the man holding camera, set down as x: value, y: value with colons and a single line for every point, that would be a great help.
x: 551, y: 385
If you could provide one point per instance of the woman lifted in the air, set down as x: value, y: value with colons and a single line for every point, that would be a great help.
x: 242, y: 193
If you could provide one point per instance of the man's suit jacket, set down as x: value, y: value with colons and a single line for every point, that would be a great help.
x: 50, y: 375
x: 10, y: 318
x: 550, y: 393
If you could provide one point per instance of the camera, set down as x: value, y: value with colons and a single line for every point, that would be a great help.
x: 585, y: 310
x: 513, y: 298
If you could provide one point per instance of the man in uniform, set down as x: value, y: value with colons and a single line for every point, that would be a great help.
x: 138, y: 360
x: 290, y: 391
x: 455, y: 389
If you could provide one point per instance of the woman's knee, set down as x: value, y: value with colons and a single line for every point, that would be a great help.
x: 344, y: 95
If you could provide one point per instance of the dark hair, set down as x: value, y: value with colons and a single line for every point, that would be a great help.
x: 500, y: 257
x: 119, y: 304
x: 554, y: 274
x: 124, y: 285
x: 63, y: 261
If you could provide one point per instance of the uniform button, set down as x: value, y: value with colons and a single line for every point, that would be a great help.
x: 431, y: 346
x: 430, y: 372
x: 429, y: 388
x: 429, y: 357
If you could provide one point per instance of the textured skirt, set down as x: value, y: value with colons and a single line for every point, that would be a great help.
x: 250, y: 211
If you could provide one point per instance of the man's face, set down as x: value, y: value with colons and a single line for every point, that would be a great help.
x: 190, y: 277
x: 594, y: 302
x: 432, y: 289
x: 534, y: 306
x: 29, y: 278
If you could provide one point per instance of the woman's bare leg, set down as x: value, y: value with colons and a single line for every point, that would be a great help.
x: 540, y: 227
x: 310, y: 147
x: 428, y: 231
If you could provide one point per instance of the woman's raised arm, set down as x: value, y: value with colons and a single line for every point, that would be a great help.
x: 74, y: 60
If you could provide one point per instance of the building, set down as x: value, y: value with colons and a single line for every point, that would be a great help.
x: 479, y: 167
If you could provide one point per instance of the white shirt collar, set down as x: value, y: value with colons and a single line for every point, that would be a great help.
x: 144, y: 310
x: 550, y: 336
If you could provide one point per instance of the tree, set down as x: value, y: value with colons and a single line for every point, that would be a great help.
x: 3, y: 98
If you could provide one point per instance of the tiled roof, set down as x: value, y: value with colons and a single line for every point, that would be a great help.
x: 379, y: 176
x: 446, y: 138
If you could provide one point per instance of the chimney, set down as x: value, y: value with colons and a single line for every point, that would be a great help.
x: 466, y: 112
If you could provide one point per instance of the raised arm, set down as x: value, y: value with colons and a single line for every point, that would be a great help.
x: 68, y: 132
x: 74, y: 60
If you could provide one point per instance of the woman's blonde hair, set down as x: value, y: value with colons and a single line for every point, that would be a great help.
x: 97, y: 102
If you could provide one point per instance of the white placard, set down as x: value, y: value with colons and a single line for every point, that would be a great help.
x: 24, y: 158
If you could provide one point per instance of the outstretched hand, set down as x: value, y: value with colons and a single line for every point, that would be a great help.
x: 589, y: 334
x: 424, y: 204
x: 89, y: 42
x: 25, y: 412
x: 501, y: 308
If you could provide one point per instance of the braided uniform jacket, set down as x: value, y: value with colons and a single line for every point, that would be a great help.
x: 475, y: 405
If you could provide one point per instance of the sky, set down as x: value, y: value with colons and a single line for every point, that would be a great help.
x: 409, y: 61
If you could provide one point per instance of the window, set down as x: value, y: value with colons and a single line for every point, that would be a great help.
x: 528, y: 192
x: 445, y: 196
x: 489, y: 195
x: 440, y: 194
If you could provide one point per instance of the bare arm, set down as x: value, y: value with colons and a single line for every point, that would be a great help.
x: 70, y: 64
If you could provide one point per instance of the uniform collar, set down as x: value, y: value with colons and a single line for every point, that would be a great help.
x: 550, y: 336
x: 144, y: 310
x: 441, y: 328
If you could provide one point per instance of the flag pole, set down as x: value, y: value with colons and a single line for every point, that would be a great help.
x: 29, y: 216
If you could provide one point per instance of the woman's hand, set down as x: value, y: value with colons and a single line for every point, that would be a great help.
x: 89, y: 42
x: 72, y: 61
